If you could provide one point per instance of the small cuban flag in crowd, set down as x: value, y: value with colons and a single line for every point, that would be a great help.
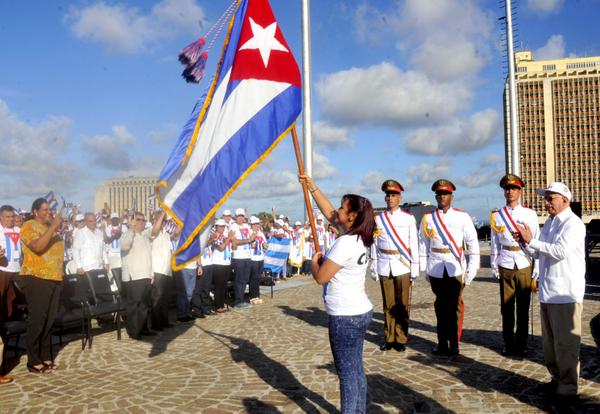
x: 277, y: 254
x: 252, y: 103
x: 52, y: 201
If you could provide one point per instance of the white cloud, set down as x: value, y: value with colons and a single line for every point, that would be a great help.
x: 427, y: 173
x: 489, y: 170
x: 553, y: 49
x: 111, y: 151
x: 33, y: 157
x: 268, y: 184
x: 122, y: 29
x: 322, y: 167
x: 455, y: 136
x: 330, y: 136
x: 545, y: 6
x: 384, y: 94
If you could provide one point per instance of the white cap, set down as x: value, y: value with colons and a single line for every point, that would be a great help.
x: 281, y: 216
x: 320, y: 217
x: 79, y: 217
x: 240, y: 212
x: 221, y: 222
x: 280, y: 222
x: 114, y: 215
x: 297, y: 223
x: 226, y: 213
x: 254, y: 220
x: 556, y: 187
x: 125, y: 221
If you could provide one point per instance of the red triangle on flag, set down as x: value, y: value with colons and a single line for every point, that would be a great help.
x: 262, y: 51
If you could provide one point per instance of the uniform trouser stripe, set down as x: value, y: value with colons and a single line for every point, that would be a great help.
x: 449, y: 309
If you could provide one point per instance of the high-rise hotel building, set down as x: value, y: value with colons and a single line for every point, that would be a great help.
x: 124, y: 193
x: 559, y: 128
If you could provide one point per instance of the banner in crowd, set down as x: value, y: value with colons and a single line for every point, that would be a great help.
x: 252, y: 103
x: 277, y: 254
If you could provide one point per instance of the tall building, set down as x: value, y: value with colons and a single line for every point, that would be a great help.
x: 559, y: 128
x: 127, y: 193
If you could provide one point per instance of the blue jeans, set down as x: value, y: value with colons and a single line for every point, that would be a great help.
x: 185, y: 282
x: 346, y: 337
x: 241, y: 277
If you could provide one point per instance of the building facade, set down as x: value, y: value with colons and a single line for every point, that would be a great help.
x: 559, y: 128
x: 121, y: 194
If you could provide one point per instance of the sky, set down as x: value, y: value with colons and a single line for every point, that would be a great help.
x: 402, y: 89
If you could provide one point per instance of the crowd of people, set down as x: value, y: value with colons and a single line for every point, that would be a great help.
x: 137, y: 254
x: 40, y: 246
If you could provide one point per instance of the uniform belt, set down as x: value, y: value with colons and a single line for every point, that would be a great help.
x: 440, y: 250
x: 511, y: 248
x: 389, y: 251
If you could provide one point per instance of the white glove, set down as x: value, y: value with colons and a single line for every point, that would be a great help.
x: 496, y: 273
x: 535, y: 275
x: 373, y: 271
x: 470, y: 277
x: 412, y: 280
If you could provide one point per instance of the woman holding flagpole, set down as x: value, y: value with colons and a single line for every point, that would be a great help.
x: 342, y: 274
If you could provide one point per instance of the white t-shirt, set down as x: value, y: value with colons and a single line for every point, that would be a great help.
x: 241, y: 232
x: 10, y: 242
x: 345, y: 292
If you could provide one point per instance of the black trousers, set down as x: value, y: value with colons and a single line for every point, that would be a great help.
x: 306, y: 267
x: 161, y: 294
x: 221, y: 275
x: 204, y: 284
x: 449, y: 309
x: 242, y: 275
x: 256, y: 271
x: 118, y: 275
x: 139, y: 297
x: 43, y: 298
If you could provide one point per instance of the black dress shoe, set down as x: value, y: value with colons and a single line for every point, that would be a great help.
x: 438, y: 350
x: 399, y: 347
x: 520, y: 353
x: 506, y: 351
x: 453, y: 351
x: 148, y: 332
x: 549, y: 388
x: 386, y: 346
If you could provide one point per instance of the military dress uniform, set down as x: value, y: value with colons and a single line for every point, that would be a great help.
x: 514, y: 268
x: 447, y: 274
x: 395, y: 272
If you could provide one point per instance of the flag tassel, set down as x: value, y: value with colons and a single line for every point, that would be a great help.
x: 309, y: 210
x: 190, y: 54
x: 194, y: 73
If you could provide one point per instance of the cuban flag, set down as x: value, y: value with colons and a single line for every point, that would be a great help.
x: 252, y: 103
x: 52, y: 201
x: 277, y: 254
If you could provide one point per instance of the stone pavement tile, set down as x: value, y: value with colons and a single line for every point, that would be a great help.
x: 275, y: 358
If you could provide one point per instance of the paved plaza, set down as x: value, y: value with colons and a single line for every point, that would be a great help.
x: 275, y: 358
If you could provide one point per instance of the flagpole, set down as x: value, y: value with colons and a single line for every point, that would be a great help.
x: 306, y: 88
x: 307, y: 204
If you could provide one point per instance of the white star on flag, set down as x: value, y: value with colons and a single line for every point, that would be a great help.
x: 264, y: 40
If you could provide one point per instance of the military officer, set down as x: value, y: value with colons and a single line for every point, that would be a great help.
x: 512, y: 265
x: 395, y: 263
x: 442, y: 237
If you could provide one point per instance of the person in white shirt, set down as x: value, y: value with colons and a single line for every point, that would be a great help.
x: 561, y: 252
x: 162, y: 285
x: 513, y: 266
x: 112, y: 244
x: 395, y: 263
x: 11, y: 245
x: 441, y: 237
x: 257, y: 260
x: 220, y: 243
x: 88, y: 247
x: 136, y: 246
x: 242, y: 237
x: 342, y: 273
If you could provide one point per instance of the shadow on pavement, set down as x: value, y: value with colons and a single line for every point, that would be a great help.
x: 255, y: 406
x: 161, y: 342
x: 318, y: 317
x: 275, y: 375
x: 383, y: 390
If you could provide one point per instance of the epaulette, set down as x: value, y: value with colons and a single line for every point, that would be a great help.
x: 495, y: 210
x: 406, y: 212
x: 458, y: 209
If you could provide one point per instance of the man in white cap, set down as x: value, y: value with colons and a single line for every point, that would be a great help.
x: 242, y: 237
x: 228, y: 221
x: 561, y: 252
x: 321, y: 232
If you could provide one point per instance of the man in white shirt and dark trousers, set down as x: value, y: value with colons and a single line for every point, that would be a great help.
x: 163, y: 279
x: 88, y: 247
x: 513, y: 266
x: 395, y: 263
x: 441, y: 238
x: 561, y: 252
x: 241, y: 237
